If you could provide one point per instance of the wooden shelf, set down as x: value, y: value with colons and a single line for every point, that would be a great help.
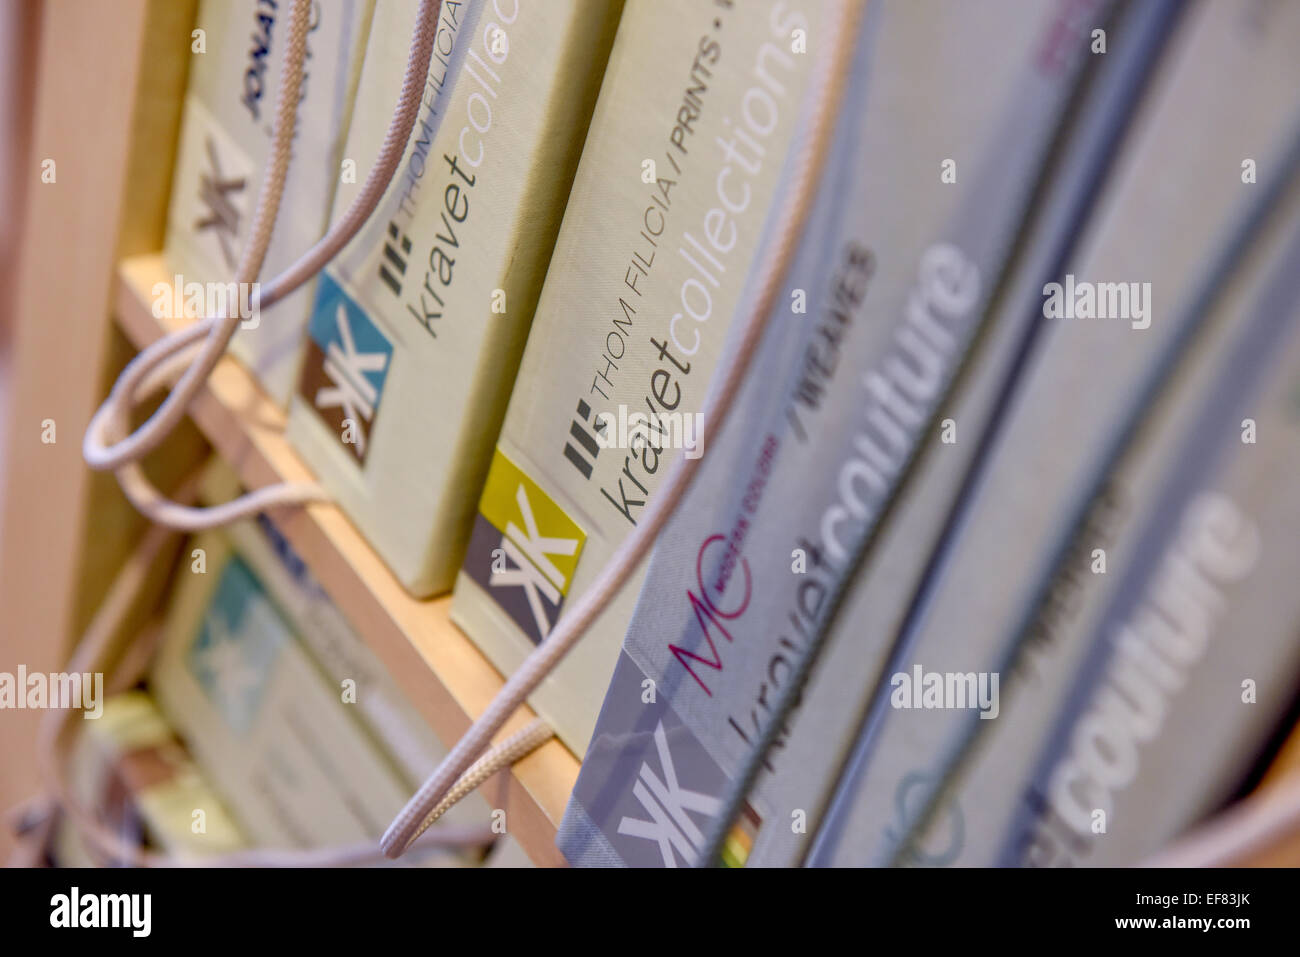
x: 446, y: 677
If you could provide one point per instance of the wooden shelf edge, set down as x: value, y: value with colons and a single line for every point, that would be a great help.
x: 435, y: 664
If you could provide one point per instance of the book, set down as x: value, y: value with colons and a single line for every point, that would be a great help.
x: 990, y: 775
x: 237, y: 61
x: 382, y: 709
x: 130, y: 770
x: 418, y: 325
x: 304, y: 753
x: 291, y: 761
x: 739, y: 575
x: 680, y: 169
x: 1041, y: 464
x: 1194, y: 659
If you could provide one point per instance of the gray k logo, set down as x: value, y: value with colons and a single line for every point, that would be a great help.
x: 667, y: 804
x: 222, y: 216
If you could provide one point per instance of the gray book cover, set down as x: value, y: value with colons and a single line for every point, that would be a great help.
x: 1147, y: 239
x: 996, y: 760
x: 1195, y: 657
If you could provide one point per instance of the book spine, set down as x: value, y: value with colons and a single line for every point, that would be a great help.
x: 1042, y: 463
x: 991, y: 767
x: 418, y: 326
x: 680, y: 169
x: 277, y: 740
x: 238, y: 59
x: 347, y: 664
x: 1166, y: 711
x: 755, y: 582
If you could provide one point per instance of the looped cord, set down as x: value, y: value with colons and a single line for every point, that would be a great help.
x: 219, y: 328
x: 54, y: 739
x: 826, y: 94
x: 188, y: 356
x: 193, y: 352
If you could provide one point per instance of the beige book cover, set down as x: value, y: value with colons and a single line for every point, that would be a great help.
x: 418, y: 326
x: 279, y: 742
x: 681, y: 168
x: 237, y: 59
x: 344, y: 660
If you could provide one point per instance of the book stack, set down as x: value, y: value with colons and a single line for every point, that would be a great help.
x: 961, y: 619
x: 304, y: 733
x: 992, y: 563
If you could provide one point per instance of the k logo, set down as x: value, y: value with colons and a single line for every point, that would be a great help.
x: 538, y: 541
x: 216, y: 193
x: 649, y: 786
x: 668, y: 805
x: 345, y: 368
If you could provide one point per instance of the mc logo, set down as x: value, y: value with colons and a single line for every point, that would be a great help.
x: 524, y: 548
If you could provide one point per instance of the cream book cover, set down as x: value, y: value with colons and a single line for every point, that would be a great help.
x: 339, y: 659
x: 294, y: 765
x: 346, y: 662
x: 681, y: 167
x: 237, y: 58
x: 418, y: 326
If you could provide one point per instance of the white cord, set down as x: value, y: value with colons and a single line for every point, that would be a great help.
x: 519, y: 745
x: 1260, y: 823
x: 827, y: 93
x: 112, y: 414
x: 53, y: 738
x: 193, y: 352
x: 188, y: 356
